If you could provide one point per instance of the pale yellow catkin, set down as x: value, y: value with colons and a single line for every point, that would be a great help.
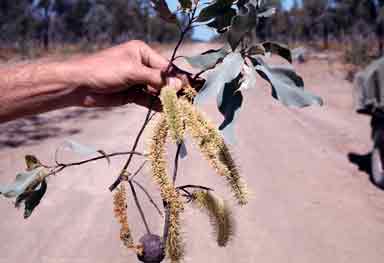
x: 172, y: 113
x: 219, y: 214
x: 120, y: 211
x: 213, y: 147
x: 174, y: 243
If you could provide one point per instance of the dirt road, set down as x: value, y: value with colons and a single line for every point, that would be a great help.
x: 308, y: 203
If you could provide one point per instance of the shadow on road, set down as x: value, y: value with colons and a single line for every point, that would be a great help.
x: 363, y: 162
x: 32, y: 130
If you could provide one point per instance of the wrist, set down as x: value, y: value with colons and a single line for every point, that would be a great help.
x: 72, y: 74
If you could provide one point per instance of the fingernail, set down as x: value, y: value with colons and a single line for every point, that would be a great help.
x: 175, y: 82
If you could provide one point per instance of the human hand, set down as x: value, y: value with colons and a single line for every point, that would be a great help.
x: 131, y: 72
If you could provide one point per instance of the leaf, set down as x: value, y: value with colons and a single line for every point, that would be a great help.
x: 267, y: 13
x: 32, y: 199
x: 242, y: 6
x: 32, y: 162
x: 185, y: 4
x: 207, y: 59
x: 225, y: 72
x: 223, y: 22
x: 241, y: 25
x: 215, y: 10
x: 287, y: 86
x: 162, y: 8
x: 229, y: 101
x: 183, y: 151
x: 256, y: 50
x: 22, y: 182
x: 248, y: 80
x: 83, y: 149
x: 78, y: 147
x: 279, y: 49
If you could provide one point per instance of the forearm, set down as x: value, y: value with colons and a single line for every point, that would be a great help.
x: 38, y: 87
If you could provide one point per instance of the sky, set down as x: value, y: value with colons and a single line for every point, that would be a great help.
x: 204, y: 33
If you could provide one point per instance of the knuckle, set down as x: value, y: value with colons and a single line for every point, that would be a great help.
x: 137, y: 42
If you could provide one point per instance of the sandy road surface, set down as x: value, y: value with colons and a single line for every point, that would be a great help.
x: 308, y: 202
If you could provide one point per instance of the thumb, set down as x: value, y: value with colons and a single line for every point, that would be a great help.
x: 152, y: 77
x: 156, y: 79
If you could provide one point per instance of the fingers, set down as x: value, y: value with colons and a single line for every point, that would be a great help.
x: 152, y: 59
x: 155, y: 80
x: 133, y: 95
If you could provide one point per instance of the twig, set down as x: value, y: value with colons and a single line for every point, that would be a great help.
x: 182, y: 37
x: 166, y: 205
x: 176, y: 163
x: 138, y: 170
x: 194, y: 186
x: 147, y: 119
x: 65, y: 165
x: 148, y: 195
x: 139, y: 207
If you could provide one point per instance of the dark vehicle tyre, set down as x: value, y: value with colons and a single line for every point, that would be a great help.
x: 377, y: 167
x: 377, y: 158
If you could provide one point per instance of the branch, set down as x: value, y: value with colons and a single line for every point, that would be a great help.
x: 182, y: 37
x: 65, y: 165
x: 194, y: 186
x: 139, y: 207
x: 166, y: 205
x: 123, y: 171
x: 176, y: 163
x: 148, y: 195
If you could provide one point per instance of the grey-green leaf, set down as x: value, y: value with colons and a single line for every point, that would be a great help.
x: 83, y: 149
x: 207, y: 59
x: 285, y: 87
x: 241, y: 24
x: 185, y: 4
x: 279, y: 49
x: 162, y: 9
x: 267, y: 13
x: 223, y: 21
x: 214, y: 10
x: 183, y: 151
x: 22, y: 182
x: 79, y: 148
x: 248, y: 80
x: 229, y: 101
x: 32, y: 198
x: 225, y: 72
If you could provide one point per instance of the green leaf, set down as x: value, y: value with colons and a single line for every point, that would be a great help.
x: 79, y: 148
x: 23, y: 181
x: 279, y: 49
x: 241, y: 25
x: 242, y: 6
x: 267, y: 13
x: 256, y: 50
x: 248, y: 80
x: 183, y: 151
x: 207, y: 59
x: 32, y: 198
x: 229, y: 101
x: 287, y: 86
x: 215, y: 10
x: 83, y: 149
x: 225, y: 72
x: 185, y: 4
x: 162, y: 9
x: 223, y: 22
x: 32, y: 162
